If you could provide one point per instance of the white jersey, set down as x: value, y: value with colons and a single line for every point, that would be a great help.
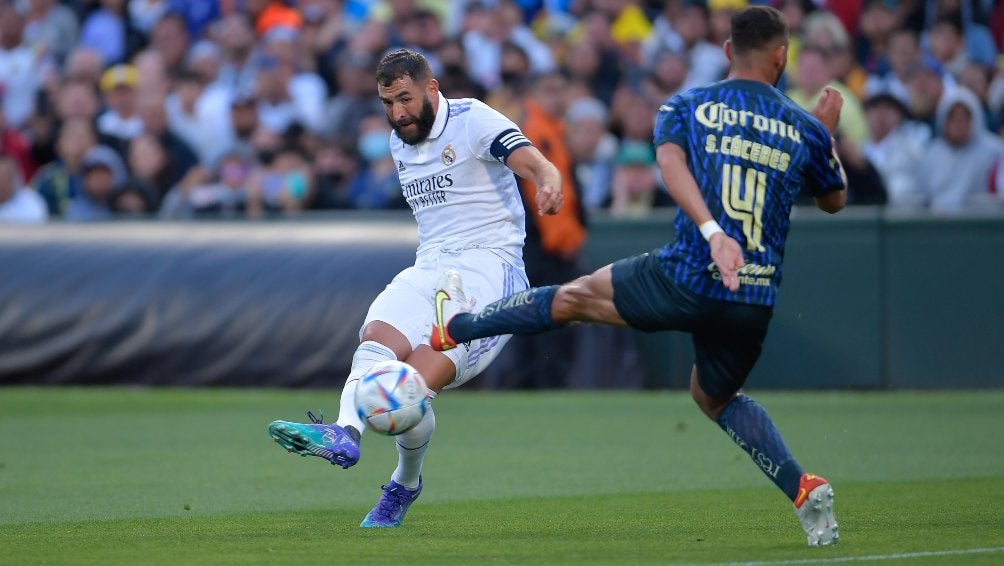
x: 457, y: 184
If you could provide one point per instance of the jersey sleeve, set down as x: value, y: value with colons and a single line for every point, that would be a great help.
x: 822, y: 174
x: 493, y: 136
x: 669, y: 123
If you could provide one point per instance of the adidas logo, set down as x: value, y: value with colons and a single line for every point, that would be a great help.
x: 400, y: 166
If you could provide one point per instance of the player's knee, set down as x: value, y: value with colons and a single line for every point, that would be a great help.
x: 571, y: 302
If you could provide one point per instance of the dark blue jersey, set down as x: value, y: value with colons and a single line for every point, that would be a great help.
x: 751, y: 150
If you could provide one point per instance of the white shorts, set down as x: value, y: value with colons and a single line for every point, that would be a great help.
x: 407, y: 302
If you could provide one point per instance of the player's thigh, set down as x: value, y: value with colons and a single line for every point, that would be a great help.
x: 406, y: 304
x: 646, y: 299
x: 728, y: 344
x: 487, y: 278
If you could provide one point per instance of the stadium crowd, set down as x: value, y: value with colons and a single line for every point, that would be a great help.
x: 249, y: 108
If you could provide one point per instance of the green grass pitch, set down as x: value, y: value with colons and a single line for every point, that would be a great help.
x: 165, y: 476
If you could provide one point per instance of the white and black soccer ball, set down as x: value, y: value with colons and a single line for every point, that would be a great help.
x: 392, y: 397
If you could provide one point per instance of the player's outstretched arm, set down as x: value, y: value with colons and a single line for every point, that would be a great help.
x: 529, y: 163
x: 725, y: 250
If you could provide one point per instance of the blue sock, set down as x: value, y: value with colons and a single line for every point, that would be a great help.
x: 526, y: 312
x: 749, y: 425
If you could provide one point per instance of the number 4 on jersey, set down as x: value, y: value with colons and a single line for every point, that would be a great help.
x: 743, y: 194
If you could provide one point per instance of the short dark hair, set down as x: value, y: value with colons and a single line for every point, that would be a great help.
x: 402, y: 63
x: 755, y: 27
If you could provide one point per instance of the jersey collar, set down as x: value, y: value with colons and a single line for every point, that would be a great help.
x: 442, y: 117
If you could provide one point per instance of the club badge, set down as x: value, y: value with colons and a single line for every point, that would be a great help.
x: 448, y: 156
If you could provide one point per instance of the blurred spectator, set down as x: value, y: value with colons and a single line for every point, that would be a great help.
x: 515, y: 72
x: 968, y: 17
x: 205, y: 60
x: 217, y: 191
x: 131, y: 199
x: 666, y: 78
x: 632, y: 115
x: 553, y: 247
x: 242, y: 119
x: 121, y: 121
x: 170, y: 38
x: 955, y: 170
x: 269, y: 14
x: 235, y: 36
x: 283, y: 185
x: 595, y: 66
x: 181, y: 156
x: 976, y: 78
x: 74, y: 99
x: 84, y: 64
x: 928, y: 83
x: 902, y: 54
x: 423, y: 33
x: 103, y: 173
x: 285, y: 94
x: 19, y: 73
x: 377, y: 186
x: 336, y: 166
x: 198, y: 116
x: 18, y: 204
x: 814, y: 73
x: 946, y: 44
x: 720, y: 19
x: 107, y: 31
x: 356, y: 98
x: 16, y: 145
x: 559, y: 237
x: 485, y: 32
x: 629, y: 27
x: 894, y: 147
x: 796, y: 12
x: 51, y: 28
x: 689, y: 35
x: 879, y: 19
x: 144, y: 14
x: 150, y: 169
x: 636, y: 189
x: 593, y: 149
x: 199, y: 15
x: 60, y: 181
x: 151, y: 74
x: 825, y: 32
x: 865, y: 185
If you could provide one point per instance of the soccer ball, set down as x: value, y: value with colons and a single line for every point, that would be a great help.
x: 392, y: 397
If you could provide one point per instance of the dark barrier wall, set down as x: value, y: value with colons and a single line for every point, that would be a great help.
x: 222, y: 304
x: 868, y: 301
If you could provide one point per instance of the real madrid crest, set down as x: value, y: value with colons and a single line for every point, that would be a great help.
x: 448, y: 156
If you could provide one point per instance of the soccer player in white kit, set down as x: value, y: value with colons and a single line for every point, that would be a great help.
x: 456, y: 160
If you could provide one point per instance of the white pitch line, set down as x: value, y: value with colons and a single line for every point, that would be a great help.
x: 896, y: 556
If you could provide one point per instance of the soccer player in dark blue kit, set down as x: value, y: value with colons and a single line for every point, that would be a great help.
x: 734, y: 155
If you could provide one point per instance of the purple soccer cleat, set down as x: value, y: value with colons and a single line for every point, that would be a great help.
x: 393, y: 504
x: 338, y: 445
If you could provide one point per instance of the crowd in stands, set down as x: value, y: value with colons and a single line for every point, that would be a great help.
x: 247, y: 108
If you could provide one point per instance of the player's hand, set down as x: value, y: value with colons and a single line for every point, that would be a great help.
x: 549, y: 199
x: 728, y: 258
x: 827, y: 110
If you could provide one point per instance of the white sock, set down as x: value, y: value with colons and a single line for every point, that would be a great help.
x: 411, y: 447
x: 367, y: 355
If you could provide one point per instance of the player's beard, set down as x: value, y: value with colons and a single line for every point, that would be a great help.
x: 423, y: 124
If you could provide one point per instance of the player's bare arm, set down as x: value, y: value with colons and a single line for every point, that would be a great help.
x: 827, y: 111
x: 529, y: 163
x: 725, y: 251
